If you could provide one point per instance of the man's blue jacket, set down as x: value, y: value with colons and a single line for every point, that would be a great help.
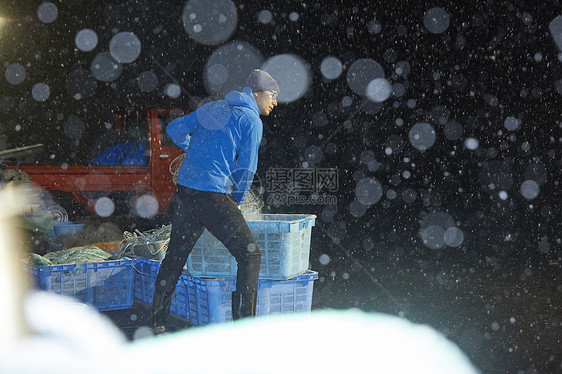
x: 222, y: 150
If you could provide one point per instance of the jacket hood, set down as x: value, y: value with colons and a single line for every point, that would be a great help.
x: 244, y: 99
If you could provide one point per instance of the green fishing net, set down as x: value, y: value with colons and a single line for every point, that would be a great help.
x: 37, y: 260
x: 76, y: 255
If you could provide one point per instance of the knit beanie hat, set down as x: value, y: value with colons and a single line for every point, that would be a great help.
x: 260, y: 80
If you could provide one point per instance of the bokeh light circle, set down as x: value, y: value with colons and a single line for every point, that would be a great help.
x: 229, y: 66
x: 436, y: 20
x: 378, y: 90
x: 125, y: 47
x: 331, y: 67
x: 361, y: 73
x: 291, y: 73
x: 210, y: 22
x: 146, y: 206
x: 86, y: 40
x: 422, y: 136
x: 47, y: 12
x: 368, y: 191
x: 15, y: 74
x: 105, y: 68
x: 104, y: 207
x: 40, y: 92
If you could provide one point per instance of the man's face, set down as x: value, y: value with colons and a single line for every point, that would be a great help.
x: 267, y: 100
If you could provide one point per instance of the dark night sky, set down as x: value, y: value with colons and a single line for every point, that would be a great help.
x: 492, y: 76
x: 495, y: 60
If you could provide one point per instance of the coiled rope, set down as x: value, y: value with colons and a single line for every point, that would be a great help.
x: 175, y: 167
x: 146, y: 244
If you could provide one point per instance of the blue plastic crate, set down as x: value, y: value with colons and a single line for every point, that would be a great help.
x: 284, y: 241
x: 213, y: 297
x: 111, y: 284
x: 293, y: 295
x: 211, y: 300
x: 63, y: 280
x: 106, y: 285
x: 145, y: 283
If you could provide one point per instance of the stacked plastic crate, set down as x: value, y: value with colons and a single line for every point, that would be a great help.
x: 285, y: 284
x: 106, y: 285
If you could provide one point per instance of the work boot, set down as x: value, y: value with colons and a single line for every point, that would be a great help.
x: 160, y: 308
x: 162, y: 321
x: 170, y: 324
x: 243, y: 305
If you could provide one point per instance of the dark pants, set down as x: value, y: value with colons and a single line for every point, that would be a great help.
x: 192, y: 212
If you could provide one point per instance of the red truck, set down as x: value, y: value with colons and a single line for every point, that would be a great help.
x: 74, y: 188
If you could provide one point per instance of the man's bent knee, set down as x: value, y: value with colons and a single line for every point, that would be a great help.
x: 253, y: 249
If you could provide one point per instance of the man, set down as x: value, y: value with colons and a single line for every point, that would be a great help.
x: 221, y: 140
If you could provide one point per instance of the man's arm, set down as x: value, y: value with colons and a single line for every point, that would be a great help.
x: 180, y: 129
